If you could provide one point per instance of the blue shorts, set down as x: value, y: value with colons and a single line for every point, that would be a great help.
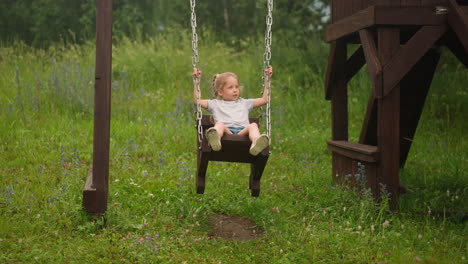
x: 235, y: 130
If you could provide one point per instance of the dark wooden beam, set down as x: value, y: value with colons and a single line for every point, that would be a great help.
x: 332, y: 72
x: 339, y: 93
x: 95, y: 196
x: 408, y: 55
x: 369, y: 127
x: 454, y: 45
x: 384, y: 15
x: 202, y: 166
x: 334, y: 66
x: 373, y: 63
x: 256, y: 171
x: 354, y: 151
x: 388, y: 120
x: 355, y: 63
x: 360, y: 20
x: 458, y: 20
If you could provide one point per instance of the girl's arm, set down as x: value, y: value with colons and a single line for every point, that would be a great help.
x: 266, y: 79
x: 203, y: 103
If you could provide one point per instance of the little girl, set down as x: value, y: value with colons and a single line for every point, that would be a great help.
x: 231, y: 112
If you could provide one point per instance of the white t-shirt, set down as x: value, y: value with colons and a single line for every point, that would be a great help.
x: 231, y: 113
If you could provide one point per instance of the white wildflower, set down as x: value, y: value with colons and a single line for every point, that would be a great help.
x: 386, y: 224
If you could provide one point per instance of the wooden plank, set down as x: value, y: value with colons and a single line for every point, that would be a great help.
x: 432, y: 3
x: 240, y: 156
x: 369, y: 127
x: 202, y: 166
x: 388, y: 120
x: 384, y: 15
x: 356, y: 147
x: 355, y: 63
x: 410, y: 2
x: 458, y: 20
x: 354, y: 150
x: 373, y: 64
x: 407, y: 56
x: 332, y: 71
x: 408, y: 15
x: 351, y: 154
x: 388, y: 2
x: 102, y: 104
x: 348, y: 25
x: 256, y: 171
x: 339, y: 95
x: 414, y: 89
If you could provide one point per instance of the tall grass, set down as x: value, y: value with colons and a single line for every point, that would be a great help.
x: 155, y: 216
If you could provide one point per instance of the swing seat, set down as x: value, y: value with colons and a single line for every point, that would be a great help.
x: 235, y: 148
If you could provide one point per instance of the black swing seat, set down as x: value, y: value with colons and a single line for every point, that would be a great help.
x: 235, y: 148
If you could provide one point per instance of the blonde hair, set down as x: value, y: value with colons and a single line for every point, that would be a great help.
x: 219, y: 80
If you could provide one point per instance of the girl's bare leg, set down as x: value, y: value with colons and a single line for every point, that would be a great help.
x: 252, y: 130
x: 222, y: 129
x: 259, y: 142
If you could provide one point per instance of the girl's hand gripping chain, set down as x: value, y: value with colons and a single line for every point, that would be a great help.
x: 268, y: 72
x: 196, y: 72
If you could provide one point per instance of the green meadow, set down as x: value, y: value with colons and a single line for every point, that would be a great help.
x: 154, y: 214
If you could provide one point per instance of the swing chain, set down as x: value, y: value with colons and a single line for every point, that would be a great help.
x: 194, y: 35
x: 266, y: 63
x: 268, y: 36
x: 196, y: 77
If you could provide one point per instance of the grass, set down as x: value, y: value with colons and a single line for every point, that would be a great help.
x: 154, y: 215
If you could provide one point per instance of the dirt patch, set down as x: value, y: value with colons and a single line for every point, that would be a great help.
x: 234, y: 228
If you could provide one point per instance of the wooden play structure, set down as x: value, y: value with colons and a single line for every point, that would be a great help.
x: 399, y: 41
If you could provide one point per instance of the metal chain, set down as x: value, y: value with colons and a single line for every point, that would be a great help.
x: 196, y: 78
x: 266, y: 63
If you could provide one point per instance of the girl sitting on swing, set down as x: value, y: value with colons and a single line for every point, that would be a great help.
x: 231, y: 112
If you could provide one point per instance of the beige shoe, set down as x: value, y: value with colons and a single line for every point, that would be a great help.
x: 260, y: 144
x: 213, y: 139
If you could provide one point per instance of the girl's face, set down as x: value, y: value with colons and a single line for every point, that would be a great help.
x: 230, y: 91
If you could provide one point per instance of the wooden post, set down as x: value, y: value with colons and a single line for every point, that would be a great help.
x: 339, y: 94
x: 388, y: 120
x: 96, y: 188
x: 337, y: 88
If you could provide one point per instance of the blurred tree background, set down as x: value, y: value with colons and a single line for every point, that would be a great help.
x: 41, y: 23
